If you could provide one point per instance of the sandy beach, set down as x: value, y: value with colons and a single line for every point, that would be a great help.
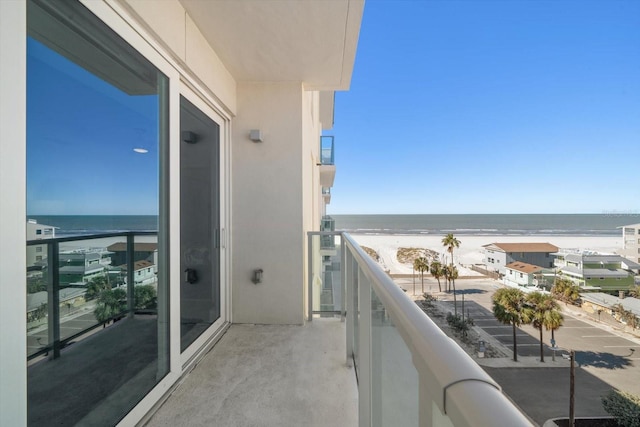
x: 470, y: 250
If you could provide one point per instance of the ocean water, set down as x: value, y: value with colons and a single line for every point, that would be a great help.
x: 78, y: 225
x: 488, y: 224
x: 476, y: 224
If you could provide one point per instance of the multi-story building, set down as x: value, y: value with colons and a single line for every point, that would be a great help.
x: 211, y: 112
x: 37, y: 231
x: 498, y: 255
x: 631, y: 242
x: 78, y: 267
x: 596, y: 272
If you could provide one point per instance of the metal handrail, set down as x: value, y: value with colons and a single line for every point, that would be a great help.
x: 55, y: 342
x: 472, y: 397
x: 89, y: 237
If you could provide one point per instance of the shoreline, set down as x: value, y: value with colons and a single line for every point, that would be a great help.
x: 470, y: 250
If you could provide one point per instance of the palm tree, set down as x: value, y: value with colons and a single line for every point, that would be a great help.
x: 565, y: 290
x: 421, y: 264
x: 453, y: 275
x: 553, y: 322
x: 540, y: 311
x: 509, y: 308
x: 436, y: 271
x: 451, y: 242
x: 96, y: 286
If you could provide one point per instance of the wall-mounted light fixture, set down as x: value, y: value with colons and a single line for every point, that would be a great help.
x: 255, y: 135
x: 257, y: 276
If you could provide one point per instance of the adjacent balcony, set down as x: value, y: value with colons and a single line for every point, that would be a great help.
x: 96, y: 336
x: 326, y: 195
x: 327, y: 165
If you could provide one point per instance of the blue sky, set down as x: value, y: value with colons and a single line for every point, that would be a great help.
x: 81, y: 132
x: 491, y: 107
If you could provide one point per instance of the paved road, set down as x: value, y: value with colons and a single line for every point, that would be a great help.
x: 69, y: 326
x: 605, y: 359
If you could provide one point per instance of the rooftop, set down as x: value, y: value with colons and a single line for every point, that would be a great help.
x: 522, y: 247
x: 606, y: 300
x: 523, y: 267
x: 138, y: 247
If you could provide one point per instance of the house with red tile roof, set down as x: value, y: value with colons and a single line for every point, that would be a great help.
x: 498, y: 255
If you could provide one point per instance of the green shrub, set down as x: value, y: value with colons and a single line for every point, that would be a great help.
x: 624, y: 407
x: 458, y: 324
x: 144, y: 297
x: 111, y: 303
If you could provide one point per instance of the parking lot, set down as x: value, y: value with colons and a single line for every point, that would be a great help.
x: 605, y: 358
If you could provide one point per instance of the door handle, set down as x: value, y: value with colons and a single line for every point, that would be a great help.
x: 190, y: 276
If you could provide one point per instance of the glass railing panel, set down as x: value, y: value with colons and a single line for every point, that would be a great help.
x: 325, y: 274
x: 37, y: 300
x: 326, y: 150
x: 92, y: 286
x: 356, y: 309
x: 394, y: 379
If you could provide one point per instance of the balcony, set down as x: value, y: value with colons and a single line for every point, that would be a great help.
x: 366, y: 356
x: 327, y: 165
x: 326, y: 195
x: 269, y: 375
x: 409, y: 372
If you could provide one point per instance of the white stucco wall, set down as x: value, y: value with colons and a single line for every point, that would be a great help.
x: 312, y: 194
x: 267, y: 204
x: 13, y: 299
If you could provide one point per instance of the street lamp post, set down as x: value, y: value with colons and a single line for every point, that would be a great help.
x: 572, y: 384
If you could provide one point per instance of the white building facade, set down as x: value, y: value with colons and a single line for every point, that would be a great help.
x: 631, y: 242
x: 498, y: 255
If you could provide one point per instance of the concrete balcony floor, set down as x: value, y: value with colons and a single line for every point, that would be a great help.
x: 268, y: 375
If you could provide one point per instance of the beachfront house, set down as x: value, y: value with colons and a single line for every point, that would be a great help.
x: 527, y: 276
x: 143, y: 274
x: 596, y: 272
x: 212, y: 112
x: 498, y: 255
x: 631, y: 242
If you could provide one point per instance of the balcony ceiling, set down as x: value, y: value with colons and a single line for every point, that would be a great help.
x: 309, y: 41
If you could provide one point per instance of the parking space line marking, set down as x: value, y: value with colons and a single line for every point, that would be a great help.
x: 578, y: 327
x: 510, y: 335
x: 600, y: 336
x: 621, y: 346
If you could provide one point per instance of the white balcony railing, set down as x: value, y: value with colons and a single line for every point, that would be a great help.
x: 409, y: 371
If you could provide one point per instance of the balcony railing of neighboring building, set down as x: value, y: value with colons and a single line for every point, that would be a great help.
x: 94, y: 320
x: 59, y: 311
x: 327, y: 241
x: 409, y: 372
x: 326, y: 150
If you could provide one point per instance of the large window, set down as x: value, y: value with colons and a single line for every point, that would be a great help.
x: 97, y: 128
